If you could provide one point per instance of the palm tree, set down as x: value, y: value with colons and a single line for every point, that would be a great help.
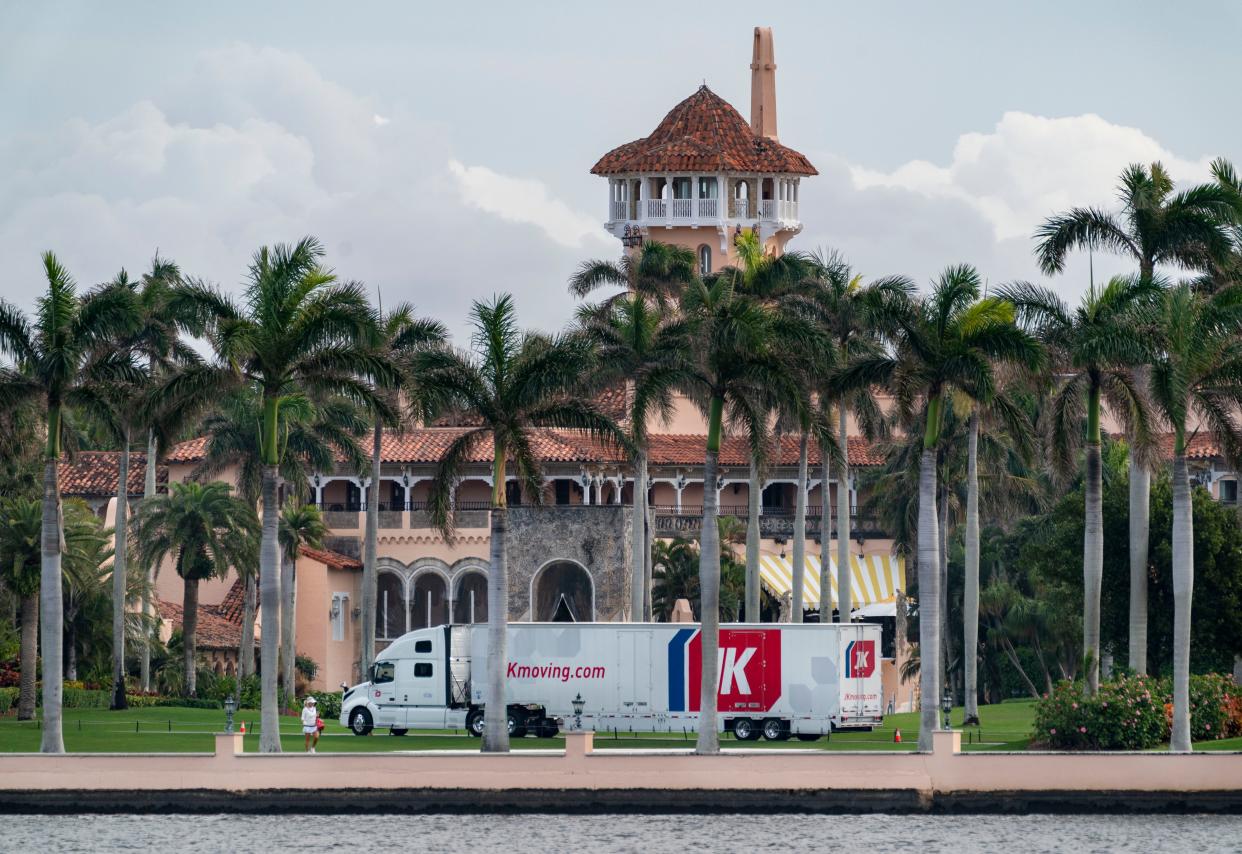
x: 637, y: 344
x: 942, y: 344
x: 514, y: 383
x: 740, y: 348
x: 316, y: 435
x: 676, y: 575
x: 205, y: 529
x: 1092, y: 350
x: 851, y: 312
x: 401, y: 334
x: 57, y: 360
x: 299, y: 332
x: 1198, y: 374
x: 300, y: 525
x: 658, y: 272
x: 1155, y: 226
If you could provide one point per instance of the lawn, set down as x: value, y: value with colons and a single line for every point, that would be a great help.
x: 1005, y: 726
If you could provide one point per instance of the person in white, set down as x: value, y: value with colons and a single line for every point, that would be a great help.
x: 310, y: 724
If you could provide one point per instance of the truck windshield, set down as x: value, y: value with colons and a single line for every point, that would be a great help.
x: 383, y: 671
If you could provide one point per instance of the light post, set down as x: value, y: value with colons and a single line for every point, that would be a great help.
x: 230, y: 706
x: 947, y: 707
x: 578, y: 704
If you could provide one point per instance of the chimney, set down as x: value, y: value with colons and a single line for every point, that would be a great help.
x: 763, y: 85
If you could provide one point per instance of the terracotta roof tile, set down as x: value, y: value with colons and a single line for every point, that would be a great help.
x: 95, y: 473
x: 1199, y: 446
x: 336, y: 560
x: 213, y: 631
x: 233, y: 605
x: 688, y: 449
x: 190, y: 451
x: 703, y: 134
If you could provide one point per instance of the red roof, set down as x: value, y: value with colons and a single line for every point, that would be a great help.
x: 95, y: 472
x: 214, y: 631
x: 332, y: 559
x: 1199, y: 446
x: 427, y: 445
x: 703, y: 134
x: 234, y: 603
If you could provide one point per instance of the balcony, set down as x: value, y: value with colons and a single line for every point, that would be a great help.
x: 704, y: 212
x: 774, y: 522
x: 396, y: 516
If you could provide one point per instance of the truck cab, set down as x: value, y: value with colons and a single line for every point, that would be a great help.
x: 407, y: 687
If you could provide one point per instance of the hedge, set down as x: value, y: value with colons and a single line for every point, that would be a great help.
x: 8, y: 699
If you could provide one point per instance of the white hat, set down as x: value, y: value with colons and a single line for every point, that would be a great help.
x: 310, y: 701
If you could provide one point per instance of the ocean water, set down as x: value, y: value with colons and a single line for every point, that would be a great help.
x: 503, y: 834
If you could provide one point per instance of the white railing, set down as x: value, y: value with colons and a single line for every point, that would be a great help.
x: 740, y: 209
x: 768, y: 210
x: 620, y: 210
x: 704, y: 210
x: 683, y: 208
x: 656, y: 209
x: 709, y: 208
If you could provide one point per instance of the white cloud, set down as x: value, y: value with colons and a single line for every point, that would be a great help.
x: 528, y: 201
x: 379, y: 120
x: 1030, y: 166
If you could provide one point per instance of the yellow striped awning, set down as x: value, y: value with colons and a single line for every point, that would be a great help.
x: 874, y: 578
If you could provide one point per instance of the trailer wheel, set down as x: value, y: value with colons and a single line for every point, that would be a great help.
x: 809, y: 736
x: 395, y: 731
x: 775, y: 729
x: 547, y: 728
x: 517, y: 725
x: 744, y: 729
x: 360, y: 722
x: 474, y: 723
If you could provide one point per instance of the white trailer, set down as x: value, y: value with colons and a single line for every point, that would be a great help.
x: 775, y: 680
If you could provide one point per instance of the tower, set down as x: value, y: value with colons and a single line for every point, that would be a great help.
x: 704, y: 174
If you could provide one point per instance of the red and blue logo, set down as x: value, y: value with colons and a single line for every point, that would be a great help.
x: 748, y: 664
x: 859, y: 659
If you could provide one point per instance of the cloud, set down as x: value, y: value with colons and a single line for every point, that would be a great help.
x: 1030, y: 166
x: 528, y: 201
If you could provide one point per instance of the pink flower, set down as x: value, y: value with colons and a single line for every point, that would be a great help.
x: 1082, y: 729
x: 1053, y: 730
x: 1074, y: 706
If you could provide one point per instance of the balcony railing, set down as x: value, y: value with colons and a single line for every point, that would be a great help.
x: 773, y: 521
x: 705, y: 211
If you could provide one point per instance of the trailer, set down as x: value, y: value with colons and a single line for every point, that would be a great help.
x: 775, y: 680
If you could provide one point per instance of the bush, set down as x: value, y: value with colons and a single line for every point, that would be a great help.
x: 306, y: 666
x: 1214, y: 703
x: 8, y: 699
x: 84, y: 698
x: 10, y: 673
x: 1126, y: 714
x: 329, y: 703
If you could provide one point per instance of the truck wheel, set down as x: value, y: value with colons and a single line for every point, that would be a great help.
x: 775, y: 729
x: 517, y: 725
x: 744, y: 729
x: 474, y: 723
x: 809, y: 736
x: 395, y: 731
x: 360, y: 722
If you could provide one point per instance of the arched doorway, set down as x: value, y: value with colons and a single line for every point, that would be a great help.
x: 428, y: 601
x: 470, y: 600
x: 562, y: 592
x: 390, y: 606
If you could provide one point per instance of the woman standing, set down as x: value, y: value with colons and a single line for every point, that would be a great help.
x: 310, y: 724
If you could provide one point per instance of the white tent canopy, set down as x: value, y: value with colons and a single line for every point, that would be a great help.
x: 875, y: 579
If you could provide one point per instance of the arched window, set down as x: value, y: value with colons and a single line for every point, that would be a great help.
x: 390, y: 613
x: 705, y: 259
x: 470, y: 600
x: 563, y: 592
x: 429, y: 601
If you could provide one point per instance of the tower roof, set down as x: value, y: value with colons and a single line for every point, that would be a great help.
x: 703, y: 134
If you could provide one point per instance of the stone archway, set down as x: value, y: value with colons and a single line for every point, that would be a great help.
x: 390, y: 610
x: 470, y: 597
x: 429, y: 605
x: 562, y: 591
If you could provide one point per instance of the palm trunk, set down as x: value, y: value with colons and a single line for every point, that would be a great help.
x: 71, y: 644
x: 51, y: 601
x: 288, y: 655
x: 648, y: 561
x: 29, y: 657
x: 845, y: 576
x: 825, y: 537
x: 753, y: 492
x: 269, y: 608
x: 970, y: 596
x: 366, y: 648
x: 638, y: 539
x: 943, y: 532
x: 1140, y: 510
x: 1183, y: 587
x: 709, y: 587
x: 250, y: 603
x: 119, y: 576
x: 799, y: 534
x: 148, y: 614
x: 496, y: 712
x: 189, y: 635
x: 929, y: 600
x: 1092, y: 567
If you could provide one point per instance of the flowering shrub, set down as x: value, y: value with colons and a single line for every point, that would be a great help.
x: 10, y: 673
x: 1213, y: 701
x: 1126, y: 714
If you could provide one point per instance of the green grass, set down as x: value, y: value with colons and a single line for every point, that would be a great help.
x: 1005, y: 726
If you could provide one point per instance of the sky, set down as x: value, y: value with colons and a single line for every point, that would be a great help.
x: 442, y: 152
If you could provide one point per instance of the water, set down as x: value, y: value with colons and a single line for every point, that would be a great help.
x: 485, y: 834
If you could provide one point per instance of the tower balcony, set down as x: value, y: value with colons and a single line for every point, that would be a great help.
x: 714, y: 213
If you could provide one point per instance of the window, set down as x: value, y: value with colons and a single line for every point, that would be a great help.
x: 1229, y: 491
x: 383, y: 671
x: 513, y: 493
x: 340, y: 602
x: 422, y: 669
x: 705, y: 259
x: 774, y: 496
x: 422, y: 646
x: 561, y: 488
x: 707, y: 188
x: 681, y: 188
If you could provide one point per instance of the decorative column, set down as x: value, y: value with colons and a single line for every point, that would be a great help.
x: 680, y: 485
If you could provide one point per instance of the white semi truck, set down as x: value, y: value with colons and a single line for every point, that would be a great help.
x: 775, y: 680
